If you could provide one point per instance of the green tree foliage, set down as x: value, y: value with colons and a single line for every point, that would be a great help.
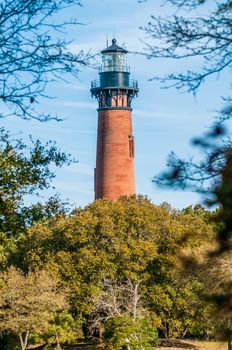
x: 25, y: 170
x: 120, y: 312
x: 61, y: 329
x: 218, y: 292
x: 213, y: 270
x: 174, y: 298
x: 130, y: 239
x: 126, y: 333
x: 28, y: 302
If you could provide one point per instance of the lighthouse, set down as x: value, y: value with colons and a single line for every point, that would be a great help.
x: 114, y: 173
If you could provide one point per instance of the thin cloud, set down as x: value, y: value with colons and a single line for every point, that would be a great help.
x: 78, y: 87
x: 83, y: 169
x: 73, y: 189
x: 164, y: 115
x: 77, y: 104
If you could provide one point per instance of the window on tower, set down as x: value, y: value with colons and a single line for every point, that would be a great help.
x: 131, y: 146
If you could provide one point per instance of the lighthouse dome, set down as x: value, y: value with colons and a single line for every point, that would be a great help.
x: 114, y: 58
x: 114, y: 48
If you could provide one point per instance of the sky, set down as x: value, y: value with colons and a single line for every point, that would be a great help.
x: 164, y: 120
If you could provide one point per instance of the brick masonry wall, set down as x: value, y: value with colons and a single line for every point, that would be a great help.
x: 114, y: 175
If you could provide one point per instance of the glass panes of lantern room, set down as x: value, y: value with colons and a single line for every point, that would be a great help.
x: 114, y: 62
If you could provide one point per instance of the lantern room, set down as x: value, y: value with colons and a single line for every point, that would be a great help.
x: 114, y: 88
x: 114, y: 59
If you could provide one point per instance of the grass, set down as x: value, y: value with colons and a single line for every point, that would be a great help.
x: 210, y: 344
x: 192, y: 345
x: 170, y: 344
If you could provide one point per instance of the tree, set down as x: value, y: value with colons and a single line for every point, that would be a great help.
x: 119, y: 311
x: 214, y: 273
x: 62, y: 328
x: 208, y: 38
x: 28, y: 302
x: 130, y: 239
x: 126, y: 333
x: 33, y: 53
x: 25, y: 170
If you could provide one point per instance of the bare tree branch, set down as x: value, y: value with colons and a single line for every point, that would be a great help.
x: 208, y: 37
x: 32, y: 54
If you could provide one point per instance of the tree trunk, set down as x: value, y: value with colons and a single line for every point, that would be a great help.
x: 229, y: 343
x: 166, y: 330
x: 136, y: 299
x: 186, y: 328
x: 23, y: 342
x: 58, y: 342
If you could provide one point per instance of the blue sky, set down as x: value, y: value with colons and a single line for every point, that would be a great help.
x: 163, y: 120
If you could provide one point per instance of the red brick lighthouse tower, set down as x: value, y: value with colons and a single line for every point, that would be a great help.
x: 114, y: 173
